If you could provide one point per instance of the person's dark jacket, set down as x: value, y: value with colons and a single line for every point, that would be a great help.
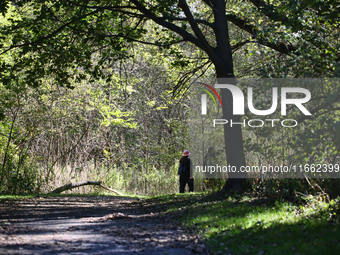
x: 188, y: 166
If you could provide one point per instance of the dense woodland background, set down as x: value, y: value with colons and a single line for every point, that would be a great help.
x: 98, y: 90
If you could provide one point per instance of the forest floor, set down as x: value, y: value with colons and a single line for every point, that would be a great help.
x: 92, y: 225
x: 189, y: 223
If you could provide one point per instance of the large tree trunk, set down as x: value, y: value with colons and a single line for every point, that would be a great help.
x: 233, y: 142
x: 234, y: 146
x: 225, y: 69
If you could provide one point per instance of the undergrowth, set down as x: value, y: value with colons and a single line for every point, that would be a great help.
x: 248, y: 225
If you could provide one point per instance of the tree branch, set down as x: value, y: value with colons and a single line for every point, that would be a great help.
x: 280, y: 47
x: 237, y: 46
x: 116, y: 9
x: 148, y: 14
x: 126, y: 37
x: 207, y: 48
x: 110, y: 8
x: 71, y: 186
x: 160, y: 20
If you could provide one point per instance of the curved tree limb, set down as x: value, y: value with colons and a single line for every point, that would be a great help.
x: 71, y: 186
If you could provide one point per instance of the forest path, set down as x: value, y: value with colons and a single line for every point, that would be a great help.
x: 91, y: 225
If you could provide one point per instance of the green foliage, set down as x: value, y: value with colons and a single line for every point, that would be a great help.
x: 15, y: 197
x: 106, y: 119
x: 51, y: 46
x: 20, y: 175
x: 24, y: 177
x: 241, y: 225
x: 293, y: 189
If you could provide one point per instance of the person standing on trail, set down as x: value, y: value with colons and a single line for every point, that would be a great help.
x: 185, y: 172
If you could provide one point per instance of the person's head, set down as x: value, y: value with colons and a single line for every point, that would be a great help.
x: 185, y: 153
x: 185, y: 156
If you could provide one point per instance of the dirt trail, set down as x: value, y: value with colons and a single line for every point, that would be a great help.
x: 90, y: 225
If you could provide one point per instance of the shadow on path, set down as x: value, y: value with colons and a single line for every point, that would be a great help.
x: 90, y: 225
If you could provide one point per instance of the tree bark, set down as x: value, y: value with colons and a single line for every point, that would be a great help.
x: 233, y: 143
x: 225, y: 69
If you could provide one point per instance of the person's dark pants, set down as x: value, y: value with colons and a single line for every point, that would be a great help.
x: 183, y: 180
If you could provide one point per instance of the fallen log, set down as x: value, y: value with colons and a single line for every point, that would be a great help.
x: 71, y: 186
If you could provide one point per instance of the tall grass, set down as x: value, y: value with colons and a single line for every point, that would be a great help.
x: 127, y: 179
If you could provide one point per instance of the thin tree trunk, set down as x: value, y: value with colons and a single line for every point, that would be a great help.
x: 3, y: 172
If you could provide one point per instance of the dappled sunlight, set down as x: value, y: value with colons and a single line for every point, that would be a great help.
x: 87, y: 224
x: 257, y: 226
